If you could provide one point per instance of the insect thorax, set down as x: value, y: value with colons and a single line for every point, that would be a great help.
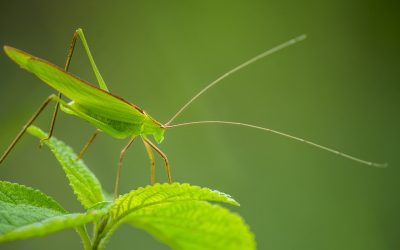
x: 154, y: 128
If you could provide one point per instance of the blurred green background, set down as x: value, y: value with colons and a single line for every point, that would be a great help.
x: 339, y: 88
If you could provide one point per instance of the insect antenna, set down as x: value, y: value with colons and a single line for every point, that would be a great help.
x: 241, y: 66
x: 378, y: 165
x: 237, y: 68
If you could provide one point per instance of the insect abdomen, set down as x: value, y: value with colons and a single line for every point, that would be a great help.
x: 117, y: 129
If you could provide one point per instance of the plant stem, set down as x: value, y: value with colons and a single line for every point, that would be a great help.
x: 108, y: 232
x: 99, y: 230
x: 87, y: 244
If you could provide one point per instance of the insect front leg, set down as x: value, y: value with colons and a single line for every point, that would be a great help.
x: 167, y: 167
x: 30, y: 121
x: 152, y: 162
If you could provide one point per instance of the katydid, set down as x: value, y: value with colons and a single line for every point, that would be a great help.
x: 115, y: 116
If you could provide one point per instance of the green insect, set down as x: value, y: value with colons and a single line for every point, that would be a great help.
x: 115, y: 116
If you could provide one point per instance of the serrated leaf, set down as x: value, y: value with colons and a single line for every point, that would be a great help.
x: 16, y: 194
x: 181, y: 216
x: 163, y: 193
x: 83, y: 181
x: 194, y: 225
x: 26, y: 212
x: 50, y: 225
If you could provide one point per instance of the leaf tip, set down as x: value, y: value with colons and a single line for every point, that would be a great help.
x: 35, y: 131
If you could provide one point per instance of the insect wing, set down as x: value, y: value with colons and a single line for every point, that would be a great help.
x: 86, y: 95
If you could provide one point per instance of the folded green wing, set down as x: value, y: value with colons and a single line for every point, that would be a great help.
x: 92, y: 98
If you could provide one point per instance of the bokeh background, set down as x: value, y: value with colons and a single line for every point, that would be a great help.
x: 339, y: 88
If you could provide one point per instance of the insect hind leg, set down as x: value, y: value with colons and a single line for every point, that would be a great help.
x: 78, y: 33
x: 57, y: 106
x: 30, y: 121
x: 96, y: 71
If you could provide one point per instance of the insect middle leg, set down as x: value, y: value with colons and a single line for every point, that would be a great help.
x: 121, y: 157
x: 88, y: 143
x: 167, y: 167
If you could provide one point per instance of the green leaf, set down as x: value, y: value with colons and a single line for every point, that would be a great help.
x: 26, y: 212
x: 181, y: 216
x: 164, y: 193
x: 195, y: 226
x: 11, y: 193
x: 84, y: 183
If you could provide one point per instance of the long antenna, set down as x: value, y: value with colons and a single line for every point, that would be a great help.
x: 241, y: 66
x: 378, y: 165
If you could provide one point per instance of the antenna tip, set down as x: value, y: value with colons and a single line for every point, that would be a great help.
x: 380, y: 165
x: 301, y: 38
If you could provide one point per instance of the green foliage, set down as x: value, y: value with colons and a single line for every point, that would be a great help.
x: 179, y: 215
x: 26, y: 212
x: 194, y: 225
x: 84, y: 183
x: 165, y: 193
x: 174, y: 214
